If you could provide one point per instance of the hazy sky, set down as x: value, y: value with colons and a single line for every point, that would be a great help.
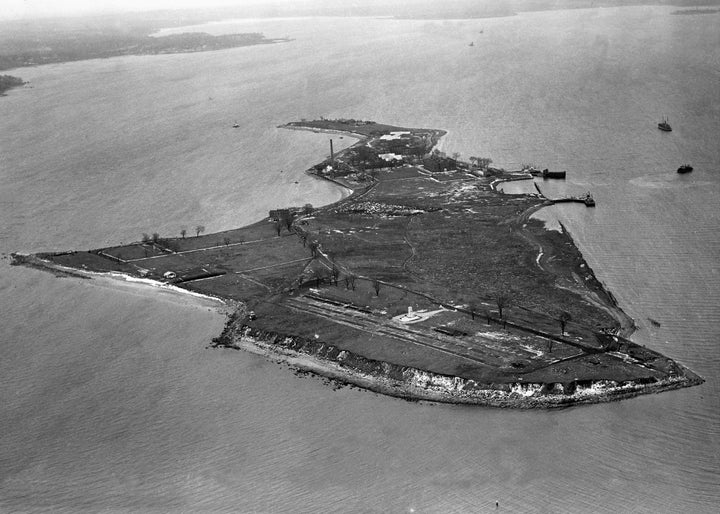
x: 39, y: 8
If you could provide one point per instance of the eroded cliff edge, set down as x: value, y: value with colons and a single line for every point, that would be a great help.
x: 416, y: 384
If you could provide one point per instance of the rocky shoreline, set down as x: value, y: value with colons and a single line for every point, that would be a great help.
x: 415, y: 384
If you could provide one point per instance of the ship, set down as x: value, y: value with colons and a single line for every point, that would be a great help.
x: 546, y: 173
x: 685, y: 168
x: 553, y: 174
x: 664, y: 125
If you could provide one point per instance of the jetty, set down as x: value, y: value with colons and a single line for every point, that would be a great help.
x: 587, y: 198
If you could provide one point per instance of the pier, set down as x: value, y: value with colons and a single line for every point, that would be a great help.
x: 587, y: 198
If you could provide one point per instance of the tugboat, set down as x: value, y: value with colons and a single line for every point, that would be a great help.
x: 589, y: 200
x: 664, y: 125
x: 685, y: 168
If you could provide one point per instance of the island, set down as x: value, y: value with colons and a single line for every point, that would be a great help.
x: 425, y: 282
x: 9, y: 82
x: 46, y: 41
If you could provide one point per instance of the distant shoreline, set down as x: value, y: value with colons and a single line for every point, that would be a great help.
x: 8, y: 82
x: 62, y: 48
x: 696, y: 11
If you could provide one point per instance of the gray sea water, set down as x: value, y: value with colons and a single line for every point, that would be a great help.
x: 110, y: 400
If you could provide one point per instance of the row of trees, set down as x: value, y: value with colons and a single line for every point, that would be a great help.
x: 349, y: 279
x: 502, y: 300
x: 286, y: 218
x: 155, y: 237
x: 481, y: 162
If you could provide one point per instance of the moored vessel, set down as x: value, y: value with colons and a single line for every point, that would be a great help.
x: 664, y: 125
x: 553, y: 174
x: 685, y: 168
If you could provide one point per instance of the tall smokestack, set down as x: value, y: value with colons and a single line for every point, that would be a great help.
x: 332, y: 154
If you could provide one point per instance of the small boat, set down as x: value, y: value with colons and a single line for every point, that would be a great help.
x: 472, y: 43
x: 236, y: 125
x: 664, y: 125
x: 589, y: 200
x: 553, y: 174
x: 685, y: 168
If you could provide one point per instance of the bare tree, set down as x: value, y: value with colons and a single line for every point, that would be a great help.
x: 308, y: 209
x: 563, y: 318
x: 502, y: 300
x: 314, y: 248
x: 319, y: 278
x: 155, y: 237
x: 226, y: 240
x: 483, y: 162
x: 473, y: 307
x: 145, y: 238
x: 183, y: 232
x: 335, y: 274
x: 198, y: 230
x: 287, y: 220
